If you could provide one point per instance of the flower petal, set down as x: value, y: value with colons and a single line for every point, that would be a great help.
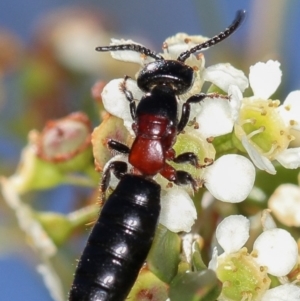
x: 215, y: 117
x: 230, y: 178
x: 114, y: 99
x: 265, y: 78
x: 267, y: 220
x: 260, y: 161
x: 213, y: 263
x: 290, y: 109
x: 233, y: 232
x: 181, y: 42
x: 235, y: 101
x: 178, y: 212
x: 115, y: 102
x: 289, y: 158
x: 129, y: 55
x: 224, y: 75
x: 277, y: 250
x: 285, y: 292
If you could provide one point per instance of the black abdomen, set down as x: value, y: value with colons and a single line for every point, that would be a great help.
x: 119, y: 242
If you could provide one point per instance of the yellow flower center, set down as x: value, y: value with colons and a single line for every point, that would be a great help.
x: 243, y: 279
x: 261, y: 122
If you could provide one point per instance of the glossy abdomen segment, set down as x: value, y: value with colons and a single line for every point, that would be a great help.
x: 119, y: 242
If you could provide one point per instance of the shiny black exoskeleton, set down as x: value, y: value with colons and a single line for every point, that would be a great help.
x: 122, y: 236
x: 119, y: 242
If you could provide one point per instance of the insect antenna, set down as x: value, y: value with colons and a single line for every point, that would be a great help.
x: 132, y: 47
x: 240, y: 16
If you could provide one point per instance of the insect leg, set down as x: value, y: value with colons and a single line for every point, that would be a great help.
x: 118, y: 146
x: 187, y: 157
x: 183, y: 178
x: 119, y: 168
x: 129, y: 97
x: 178, y: 177
x: 186, y: 108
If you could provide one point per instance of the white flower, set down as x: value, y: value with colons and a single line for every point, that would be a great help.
x: 276, y: 249
x: 274, y: 252
x: 265, y: 127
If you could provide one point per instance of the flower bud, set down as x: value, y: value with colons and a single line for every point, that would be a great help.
x: 111, y: 128
x: 34, y: 173
x: 66, y: 142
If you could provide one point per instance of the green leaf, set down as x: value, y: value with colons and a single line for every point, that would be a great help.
x: 163, y: 257
x: 195, y: 286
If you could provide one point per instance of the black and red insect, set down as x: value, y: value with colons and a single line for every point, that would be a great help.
x: 122, y: 237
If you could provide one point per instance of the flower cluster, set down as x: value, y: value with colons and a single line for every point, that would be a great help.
x: 230, y: 178
x: 246, y: 276
x: 264, y: 126
x: 256, y: 126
